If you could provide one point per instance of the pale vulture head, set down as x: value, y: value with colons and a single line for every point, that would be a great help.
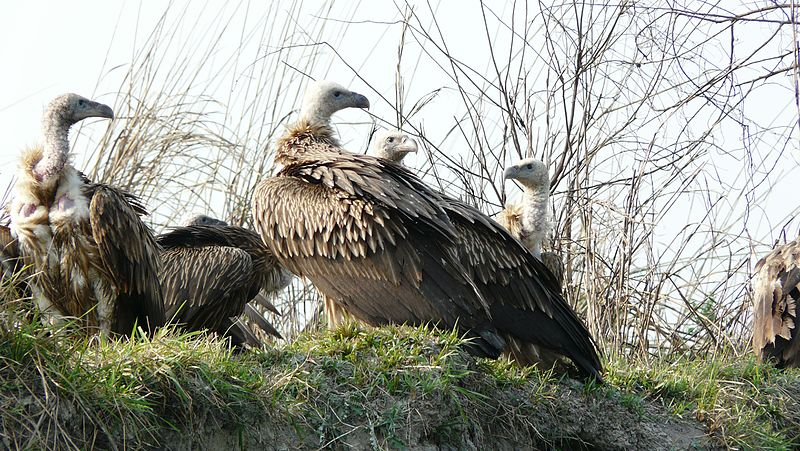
x: 68, y: 109
x: 529, y: 172
x: 323, y: 98
x: 62, y: 112
x: 393, y: 145
x: 205, y: 220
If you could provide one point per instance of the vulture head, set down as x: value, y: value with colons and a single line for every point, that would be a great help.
x: 529, y: 172
x: 393, y: 145
x: 323, y: 98
x: 205, y: 220
x: 68, y: 109
x: 61, y: 114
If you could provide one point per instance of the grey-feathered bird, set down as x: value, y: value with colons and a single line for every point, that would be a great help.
x: 372, y: 236
x: 92, y: 256
x: 211, y: 271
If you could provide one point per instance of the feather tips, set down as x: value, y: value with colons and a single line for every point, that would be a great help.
x: 776, y: 290
x: 211, y: 272
x: 128, y: 252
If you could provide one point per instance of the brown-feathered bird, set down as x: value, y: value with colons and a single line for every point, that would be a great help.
x: 393, y: 145
x: 278, y: 279
x: 210, y: 271
x: 776, y: 291
x: 371, y: 235
x: 92, y: 256
x: 529, y: 220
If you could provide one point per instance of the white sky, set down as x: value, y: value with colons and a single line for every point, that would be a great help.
x: 66, y: 52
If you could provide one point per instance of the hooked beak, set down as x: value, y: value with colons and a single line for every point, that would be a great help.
x: 510, y: 172
x: 360, y: 101
x: 97, y: 109
x: 105, y: 111
x: 407, y: 145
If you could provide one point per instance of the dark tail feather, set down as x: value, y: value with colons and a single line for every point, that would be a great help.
x: 564, y: 334
x: 132, y: 310
x: 262, y: 300
x: 239, y: 334
x: 256, y: 317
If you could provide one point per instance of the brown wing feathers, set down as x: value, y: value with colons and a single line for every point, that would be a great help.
x: 210, y: 273
x: 202, y: 285
x: 129, y: 255
x: 376, y: 237
x: 524, y: 296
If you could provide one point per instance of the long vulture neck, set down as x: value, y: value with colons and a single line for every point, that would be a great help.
x: 56, y: 147
x: 535, y: 217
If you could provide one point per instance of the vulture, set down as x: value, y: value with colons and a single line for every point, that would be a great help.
x: 529, y: 220
x: 388, y: 249
x: 92, y: 256
x: 393, y: 145
x: 210, y: 271
x: 776, y: 291
x: 279, y: 277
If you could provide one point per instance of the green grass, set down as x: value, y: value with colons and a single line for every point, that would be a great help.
x: 128, y: 390
x: 743, y: 404
x: 392, y: 387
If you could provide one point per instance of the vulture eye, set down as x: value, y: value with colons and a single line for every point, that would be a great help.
x: 337, y: 93
x: 81, y: 102
x: 390, y: 139
x: 530, y: 166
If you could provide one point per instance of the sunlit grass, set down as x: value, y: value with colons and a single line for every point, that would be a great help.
x: 744, y: 404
